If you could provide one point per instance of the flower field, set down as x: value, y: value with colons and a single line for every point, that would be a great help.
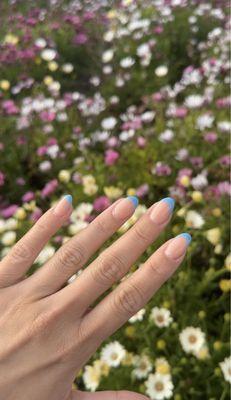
x: 104, y: 99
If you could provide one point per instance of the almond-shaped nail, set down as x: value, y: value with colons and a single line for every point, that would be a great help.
x: 178, y: 246
x: 125, y: 208
x: 162, y: 210
x: 64, y: 206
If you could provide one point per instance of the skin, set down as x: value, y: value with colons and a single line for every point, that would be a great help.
x: 47, y: 332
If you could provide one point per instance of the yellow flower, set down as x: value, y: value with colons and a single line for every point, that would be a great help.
x: 112, y: 14
x: 48, y: 80
x: 228, y: 262
x: 64, y: 176
x: 225, y: 285
x: 53, y: 66
x: 161, y: 344
x: 181, y: 212
x: 4, y: 84
x: 217, y: 345
x: 131, y: 192
x: 20, y: 213
x: 11, y: 39
x: 113, y: 192
x: 176, y: 229
x: 185, y: 181
x: 203, y: 353
x: 202, y: 314
x: 216, y: 212
x: 130, y: 331
x: 31, y: 206
x: 166, y: 304
x: 128, y: 359
x: 163, y: 368
x: 197, y: 196
x: 37, y: 60
x: 102, y: 367
x: 213, y: 235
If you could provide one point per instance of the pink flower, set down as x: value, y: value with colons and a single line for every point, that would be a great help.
x: 47, y: 116
x: 101, y: 203
x: 141, y: 142
x: 210, y: 137
x: 49, y: 188
x: 2, y: 178
x: 41, y: 151
x: 142, y: 190
x: 111, y: 156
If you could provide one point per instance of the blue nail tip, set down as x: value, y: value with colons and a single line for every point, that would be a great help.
x: 186, y: 236
x: 170, y: 202
x: 68, y: 198
x: 134, y: 200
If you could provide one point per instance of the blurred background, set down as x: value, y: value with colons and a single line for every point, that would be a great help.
x: 103, y: 99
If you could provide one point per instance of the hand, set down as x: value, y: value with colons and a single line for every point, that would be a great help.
x: 46, y: 331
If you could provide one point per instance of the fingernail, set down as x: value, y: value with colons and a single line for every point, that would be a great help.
x: 64, y: 206
x: 162, y: 210
x: 125, y: 208
x: 178, y: 246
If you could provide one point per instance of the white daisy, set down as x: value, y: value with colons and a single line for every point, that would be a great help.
x: 161, y: 71
x: 224, y: 126
x: 204, y: 121
x: 138, y: 316
x: 166, y: 136
x: 148, y: 116
x: 91, y: 378
x: 199, y: 182
x: 48, y: 54
x: 194, y: 220
x: 113, y: 353
x: 226, y: 368
x: 192, y: 339
x: 8, y: 238
x: 159, y: 386
x: 194, y: 101
x: 161, y: 317
x: 107, y: 56
x: 108, y: 123
x: 143, y: 366
x: 127, y: 62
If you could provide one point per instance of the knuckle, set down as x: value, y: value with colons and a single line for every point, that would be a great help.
x: 109, y: 269
x: 128, y: 300
x: 21, y: 252
x: 140, y: 234
x: 41, y: 225
x: 41, y: 322
x: 156, y: 268
x: 70, y: 256
x: 101, y: 226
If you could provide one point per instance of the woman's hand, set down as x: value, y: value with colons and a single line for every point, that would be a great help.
x: 47, y: 332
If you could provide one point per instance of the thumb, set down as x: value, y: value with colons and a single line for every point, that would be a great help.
x: 112, y: 395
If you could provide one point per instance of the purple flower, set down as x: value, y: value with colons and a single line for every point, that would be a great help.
x: 225, y: 160
x: 141, y: 142
x: 162, y: 169
x: 28, y: 196
x: 80, y: 38
x: 9, y: 211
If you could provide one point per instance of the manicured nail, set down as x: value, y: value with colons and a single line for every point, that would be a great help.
x: 178, y: 246
x: 64, y: 206
x: 161, y: 211
x: 125, y: 208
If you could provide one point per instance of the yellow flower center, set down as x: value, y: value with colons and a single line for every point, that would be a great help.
x: 159, y: 386
x: 192, y: 339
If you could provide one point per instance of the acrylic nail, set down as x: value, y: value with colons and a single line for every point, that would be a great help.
x: 125, y: 208
x: 64, y: 206
x: 178, y: 246
x: 161, y: 211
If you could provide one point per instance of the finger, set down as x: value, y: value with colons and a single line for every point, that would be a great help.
x: 132, y: 294
x: 74, y: 254
x: 115, y: 262
x: 17, y: 262
x: 108, y: 395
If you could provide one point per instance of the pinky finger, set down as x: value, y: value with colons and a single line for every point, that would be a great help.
x: 20, y: 258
